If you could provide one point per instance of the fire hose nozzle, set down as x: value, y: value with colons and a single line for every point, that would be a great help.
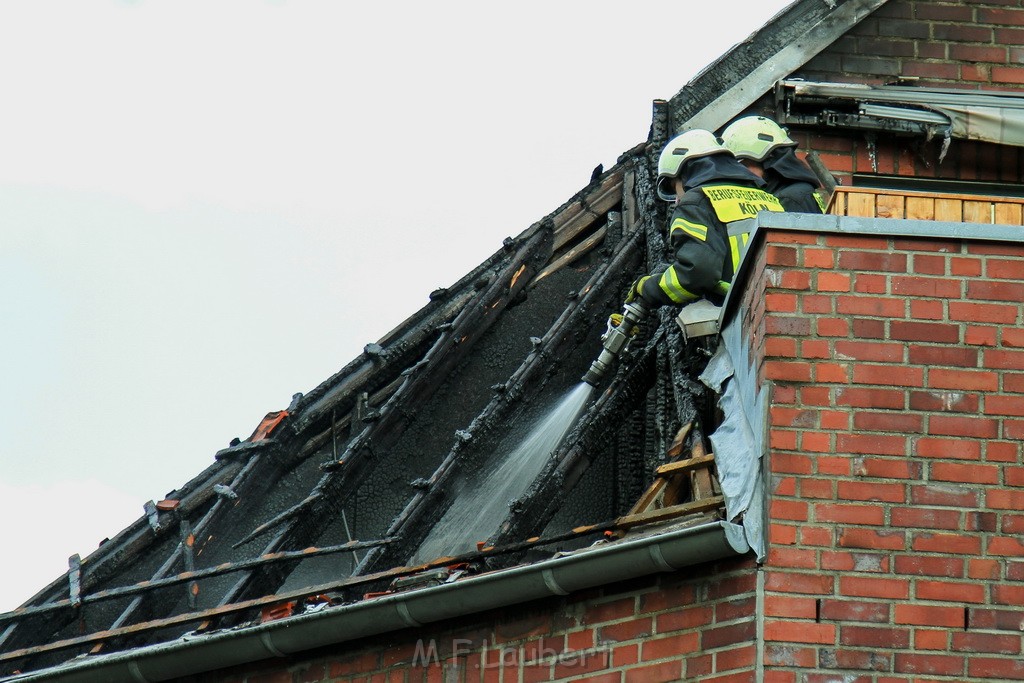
x: 614, y: 340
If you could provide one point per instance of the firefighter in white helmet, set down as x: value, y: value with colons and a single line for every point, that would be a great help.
x: 710, y: 190
x: 766, y: 149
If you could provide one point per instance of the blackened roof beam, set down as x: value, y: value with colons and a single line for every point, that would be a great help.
x: 335, y: 487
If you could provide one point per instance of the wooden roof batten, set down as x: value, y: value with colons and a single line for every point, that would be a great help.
x: 203, y: 618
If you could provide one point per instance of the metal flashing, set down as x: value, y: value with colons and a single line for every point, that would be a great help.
x: 787, y: 59
x: 851, y: 225
x: 891, y: 227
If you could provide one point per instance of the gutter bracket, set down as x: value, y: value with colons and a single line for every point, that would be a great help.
x: 266, y: 639
x: 552, y: 583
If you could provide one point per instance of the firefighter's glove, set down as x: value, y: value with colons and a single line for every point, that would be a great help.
x: 615, y: 319
x: 636, y: 290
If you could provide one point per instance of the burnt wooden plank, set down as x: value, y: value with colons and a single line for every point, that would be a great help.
x: 825, y: 177
x: 671, y: 512
x: 665, y: 487
x: 651, y: 496
x: 568, y: 257
x: 685, y: 465
x: 206, y: 618
x: 188, y: 577
x: 675, y: 449
x: 630, y: 212
x: 589, y: 206
x: 75, y: 580
x: 700, y: 479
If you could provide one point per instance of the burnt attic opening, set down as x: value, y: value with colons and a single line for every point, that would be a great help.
x: 337, y: 497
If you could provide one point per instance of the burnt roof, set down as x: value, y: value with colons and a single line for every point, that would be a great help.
x: 383, y: 449
x: 340, y: 491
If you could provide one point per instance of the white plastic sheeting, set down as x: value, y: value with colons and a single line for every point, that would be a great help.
x: 1003, y: 125
x: 739, y: 441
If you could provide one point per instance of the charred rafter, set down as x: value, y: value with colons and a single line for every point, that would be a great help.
x: 238, y: 486
x: 411, y: 526
x: 334, y: 488
x: 568, y: 464
x: 600, y: 425
x: 111, y: 558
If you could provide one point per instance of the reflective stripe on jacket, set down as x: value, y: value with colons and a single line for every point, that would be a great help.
x: 705, y: 254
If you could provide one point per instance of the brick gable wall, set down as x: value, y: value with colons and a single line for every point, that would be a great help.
x: 962, y: 45
x: 896, y: 477
x: 942, y: 44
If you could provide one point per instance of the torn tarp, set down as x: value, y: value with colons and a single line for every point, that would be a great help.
x: 984, y: 115
x: 739, y: 441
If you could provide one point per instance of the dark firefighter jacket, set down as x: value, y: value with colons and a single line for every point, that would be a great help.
x: 789, y: 179
x: 719, y: 191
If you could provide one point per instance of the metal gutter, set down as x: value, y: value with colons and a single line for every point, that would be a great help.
x: 595, y: 566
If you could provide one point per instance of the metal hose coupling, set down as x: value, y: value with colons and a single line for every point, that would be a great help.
x: 614, y: 339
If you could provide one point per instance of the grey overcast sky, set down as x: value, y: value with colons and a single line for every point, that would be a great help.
x: 206, y: 207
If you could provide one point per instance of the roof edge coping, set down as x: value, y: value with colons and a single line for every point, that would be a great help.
x: 853, y: 225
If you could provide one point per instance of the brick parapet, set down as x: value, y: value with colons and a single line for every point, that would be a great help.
x: 896, y: 478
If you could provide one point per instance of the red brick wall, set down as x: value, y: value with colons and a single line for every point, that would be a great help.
x: 896, y: 471
x: 696, y: 625
x: 942, y: 44
x: 966, y: 45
